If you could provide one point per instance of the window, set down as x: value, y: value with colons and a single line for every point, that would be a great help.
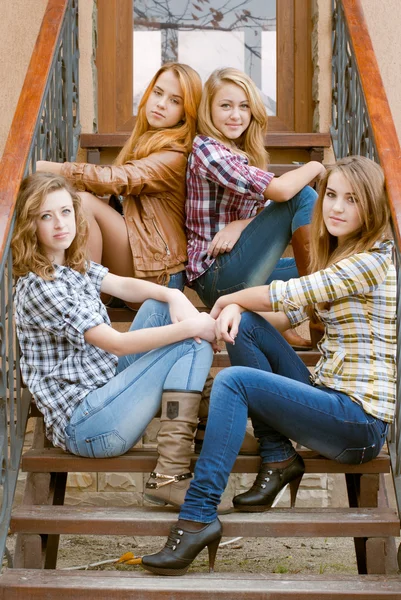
x: 207, y: 35
x: 268, y: 39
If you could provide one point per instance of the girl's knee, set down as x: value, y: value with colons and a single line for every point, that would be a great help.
x: 249, y: 321
x: 88, y: 200
x: 152, y: 313
x: 307, y: 195
x: 231, y: 381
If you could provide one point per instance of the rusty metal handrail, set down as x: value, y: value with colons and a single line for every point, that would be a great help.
x: 45, y: 125
x: 362, y: 124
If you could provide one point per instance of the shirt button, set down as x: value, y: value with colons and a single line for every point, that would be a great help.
x: 67, y: 316
x: 157, y: 256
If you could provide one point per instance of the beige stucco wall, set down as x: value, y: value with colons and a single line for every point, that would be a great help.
x: 17, y: 40
x: 20, y: 22
x: 384, y: 24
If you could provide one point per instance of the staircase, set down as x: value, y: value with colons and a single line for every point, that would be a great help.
x: 43, y: 517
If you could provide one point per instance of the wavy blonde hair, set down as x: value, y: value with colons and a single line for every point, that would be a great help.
x: 27, y: 253
x: 252, y: 142
x: 144, y: 140
x: 366, y: 180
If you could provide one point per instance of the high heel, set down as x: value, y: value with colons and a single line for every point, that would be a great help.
x: 268, y: 484
x: 181, y: 549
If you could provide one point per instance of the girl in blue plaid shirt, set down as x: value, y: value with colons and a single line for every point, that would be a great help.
x: 96, y: 387
x: 344, y: 409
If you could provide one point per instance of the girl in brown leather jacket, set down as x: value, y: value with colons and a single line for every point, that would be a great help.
x: 148, y: 241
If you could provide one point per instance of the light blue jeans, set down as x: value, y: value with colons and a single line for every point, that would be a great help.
x: 255, y: 258
x: 275, y: 390
x: 111, y: 419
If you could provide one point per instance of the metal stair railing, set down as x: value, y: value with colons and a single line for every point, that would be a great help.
x: 362, y: 124
x: 45, y: 126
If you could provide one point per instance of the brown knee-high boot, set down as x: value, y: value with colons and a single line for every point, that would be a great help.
x: 169, y: 482
x: 301, y: 248
x: 249, y: 445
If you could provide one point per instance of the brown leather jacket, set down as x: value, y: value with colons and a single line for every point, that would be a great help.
x: 153, y: 191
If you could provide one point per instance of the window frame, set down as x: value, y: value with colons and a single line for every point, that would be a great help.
x: 114, y: 61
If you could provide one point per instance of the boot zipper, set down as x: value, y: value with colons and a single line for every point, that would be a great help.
x: 161, y: 237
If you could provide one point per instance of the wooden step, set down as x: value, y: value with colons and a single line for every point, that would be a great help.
x: 16, y: 584
x: 148, y: 521
x: 140, y: 460
x: 272, y: 140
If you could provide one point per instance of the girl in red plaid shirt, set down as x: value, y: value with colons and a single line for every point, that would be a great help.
x: 240, y: 218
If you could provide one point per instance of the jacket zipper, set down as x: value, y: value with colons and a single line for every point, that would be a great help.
x: 161, y: 237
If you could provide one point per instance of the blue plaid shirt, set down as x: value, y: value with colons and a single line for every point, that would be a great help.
x: 57, y: 365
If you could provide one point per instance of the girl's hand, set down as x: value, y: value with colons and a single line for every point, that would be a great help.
x: 204, y: 328
x: 180, y: 307
x: 225, y: 240
x: 218, y: 306
x: 227, y: 323
x: 49, y: 167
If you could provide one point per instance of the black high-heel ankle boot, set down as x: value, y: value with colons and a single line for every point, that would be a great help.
x: 268, y: 484
x: 182, y: 547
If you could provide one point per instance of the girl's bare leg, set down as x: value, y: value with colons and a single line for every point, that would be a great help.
x: 108, y: 236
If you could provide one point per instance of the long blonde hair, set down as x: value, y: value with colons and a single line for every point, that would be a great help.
x: 28, y: 255
x: 143, y: 140
x: 366, y: 180
x: 252, y: 142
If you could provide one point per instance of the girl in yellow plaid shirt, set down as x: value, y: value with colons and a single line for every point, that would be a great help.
x: 343, y: 410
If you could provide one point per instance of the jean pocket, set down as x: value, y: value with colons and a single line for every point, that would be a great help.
x: 357, y: 456
x: 231, y: 289
x: 106, y: 445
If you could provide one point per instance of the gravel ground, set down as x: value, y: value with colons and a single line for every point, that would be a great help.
x: 245, y: 555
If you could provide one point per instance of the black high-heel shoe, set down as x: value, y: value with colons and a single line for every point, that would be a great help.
x: 268, y: 484
x: 182, y: 547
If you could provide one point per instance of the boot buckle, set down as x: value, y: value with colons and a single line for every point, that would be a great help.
x: 167, y: 479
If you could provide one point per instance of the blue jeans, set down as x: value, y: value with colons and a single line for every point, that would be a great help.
x: 111, y: 419
x: 275, y: 390
x: 255, y: 258
x: 178, y: 281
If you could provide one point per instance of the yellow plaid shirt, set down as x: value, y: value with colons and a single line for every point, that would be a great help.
x: 359, y: 345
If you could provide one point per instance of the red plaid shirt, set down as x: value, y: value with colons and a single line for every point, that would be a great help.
x: 221, y: 188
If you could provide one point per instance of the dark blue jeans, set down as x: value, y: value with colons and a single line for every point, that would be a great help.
x: 255, y: 258
x: 275, y: 390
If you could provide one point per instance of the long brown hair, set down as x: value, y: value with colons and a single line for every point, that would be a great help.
x: 366, y: 179
x: 143, y: 140
x: 252, y: 142
x: 27, y: 253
